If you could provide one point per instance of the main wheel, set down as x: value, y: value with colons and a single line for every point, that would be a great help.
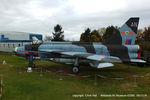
x: 75, y: 69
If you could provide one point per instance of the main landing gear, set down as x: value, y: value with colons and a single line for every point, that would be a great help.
x: 75, y: 68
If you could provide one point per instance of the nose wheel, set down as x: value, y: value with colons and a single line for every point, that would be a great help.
x: 75, y: 69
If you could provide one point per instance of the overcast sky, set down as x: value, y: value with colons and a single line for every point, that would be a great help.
x: 40, y: 16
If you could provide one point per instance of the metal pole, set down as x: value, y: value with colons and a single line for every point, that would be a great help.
x: 95, y: 80
x: 135, y: 85
x: 60, y: 75
x: 41, y: 73
x: 1, y: 87
x: 20, y: 71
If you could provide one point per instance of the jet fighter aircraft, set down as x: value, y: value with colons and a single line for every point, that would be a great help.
x: 120, y: 47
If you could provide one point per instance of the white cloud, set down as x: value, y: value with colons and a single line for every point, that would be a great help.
x: 75, y: 16
x: 39, y: 12
x: 93, y: 6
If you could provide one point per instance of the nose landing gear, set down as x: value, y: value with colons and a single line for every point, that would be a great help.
x: 31, y: 64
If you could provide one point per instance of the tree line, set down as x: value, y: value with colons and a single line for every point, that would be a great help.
x: 143, y: 38
x: 101, y: 35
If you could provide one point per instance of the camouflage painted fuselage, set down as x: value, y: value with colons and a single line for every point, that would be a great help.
x: 124, y: 52
x: 119, y: 47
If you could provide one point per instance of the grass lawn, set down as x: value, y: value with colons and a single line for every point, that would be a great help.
x: 20, y: 85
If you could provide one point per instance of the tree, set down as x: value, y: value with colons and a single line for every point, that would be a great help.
x: 140, y: 36
x: 143, y: 38
x: 146, y: 34
x: 110, y: 30
x: 95, y: 37
x: 58, y: 33
x: 47, y: 38
x: 101, y: 31
x: 85, y: 37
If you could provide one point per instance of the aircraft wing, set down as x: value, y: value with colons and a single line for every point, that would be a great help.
x: 94, y: 57
x: 101, y: 60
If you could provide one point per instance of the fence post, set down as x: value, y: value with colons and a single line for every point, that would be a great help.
x: 1, y: 87
x: 135, y: 85
x: 95, y: 79
x: 60, y: 75
x: 41, y: 72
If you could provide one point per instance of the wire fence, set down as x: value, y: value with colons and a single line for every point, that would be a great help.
x: 62, y: 72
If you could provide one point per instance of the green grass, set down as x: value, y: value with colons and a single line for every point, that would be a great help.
x: 20, y: 85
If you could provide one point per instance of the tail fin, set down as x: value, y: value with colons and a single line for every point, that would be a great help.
x: 126, y: 35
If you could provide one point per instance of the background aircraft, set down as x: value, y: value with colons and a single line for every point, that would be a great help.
x: 119, y: 48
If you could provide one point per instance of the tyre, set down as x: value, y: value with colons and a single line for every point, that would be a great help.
x: 75, y: 69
